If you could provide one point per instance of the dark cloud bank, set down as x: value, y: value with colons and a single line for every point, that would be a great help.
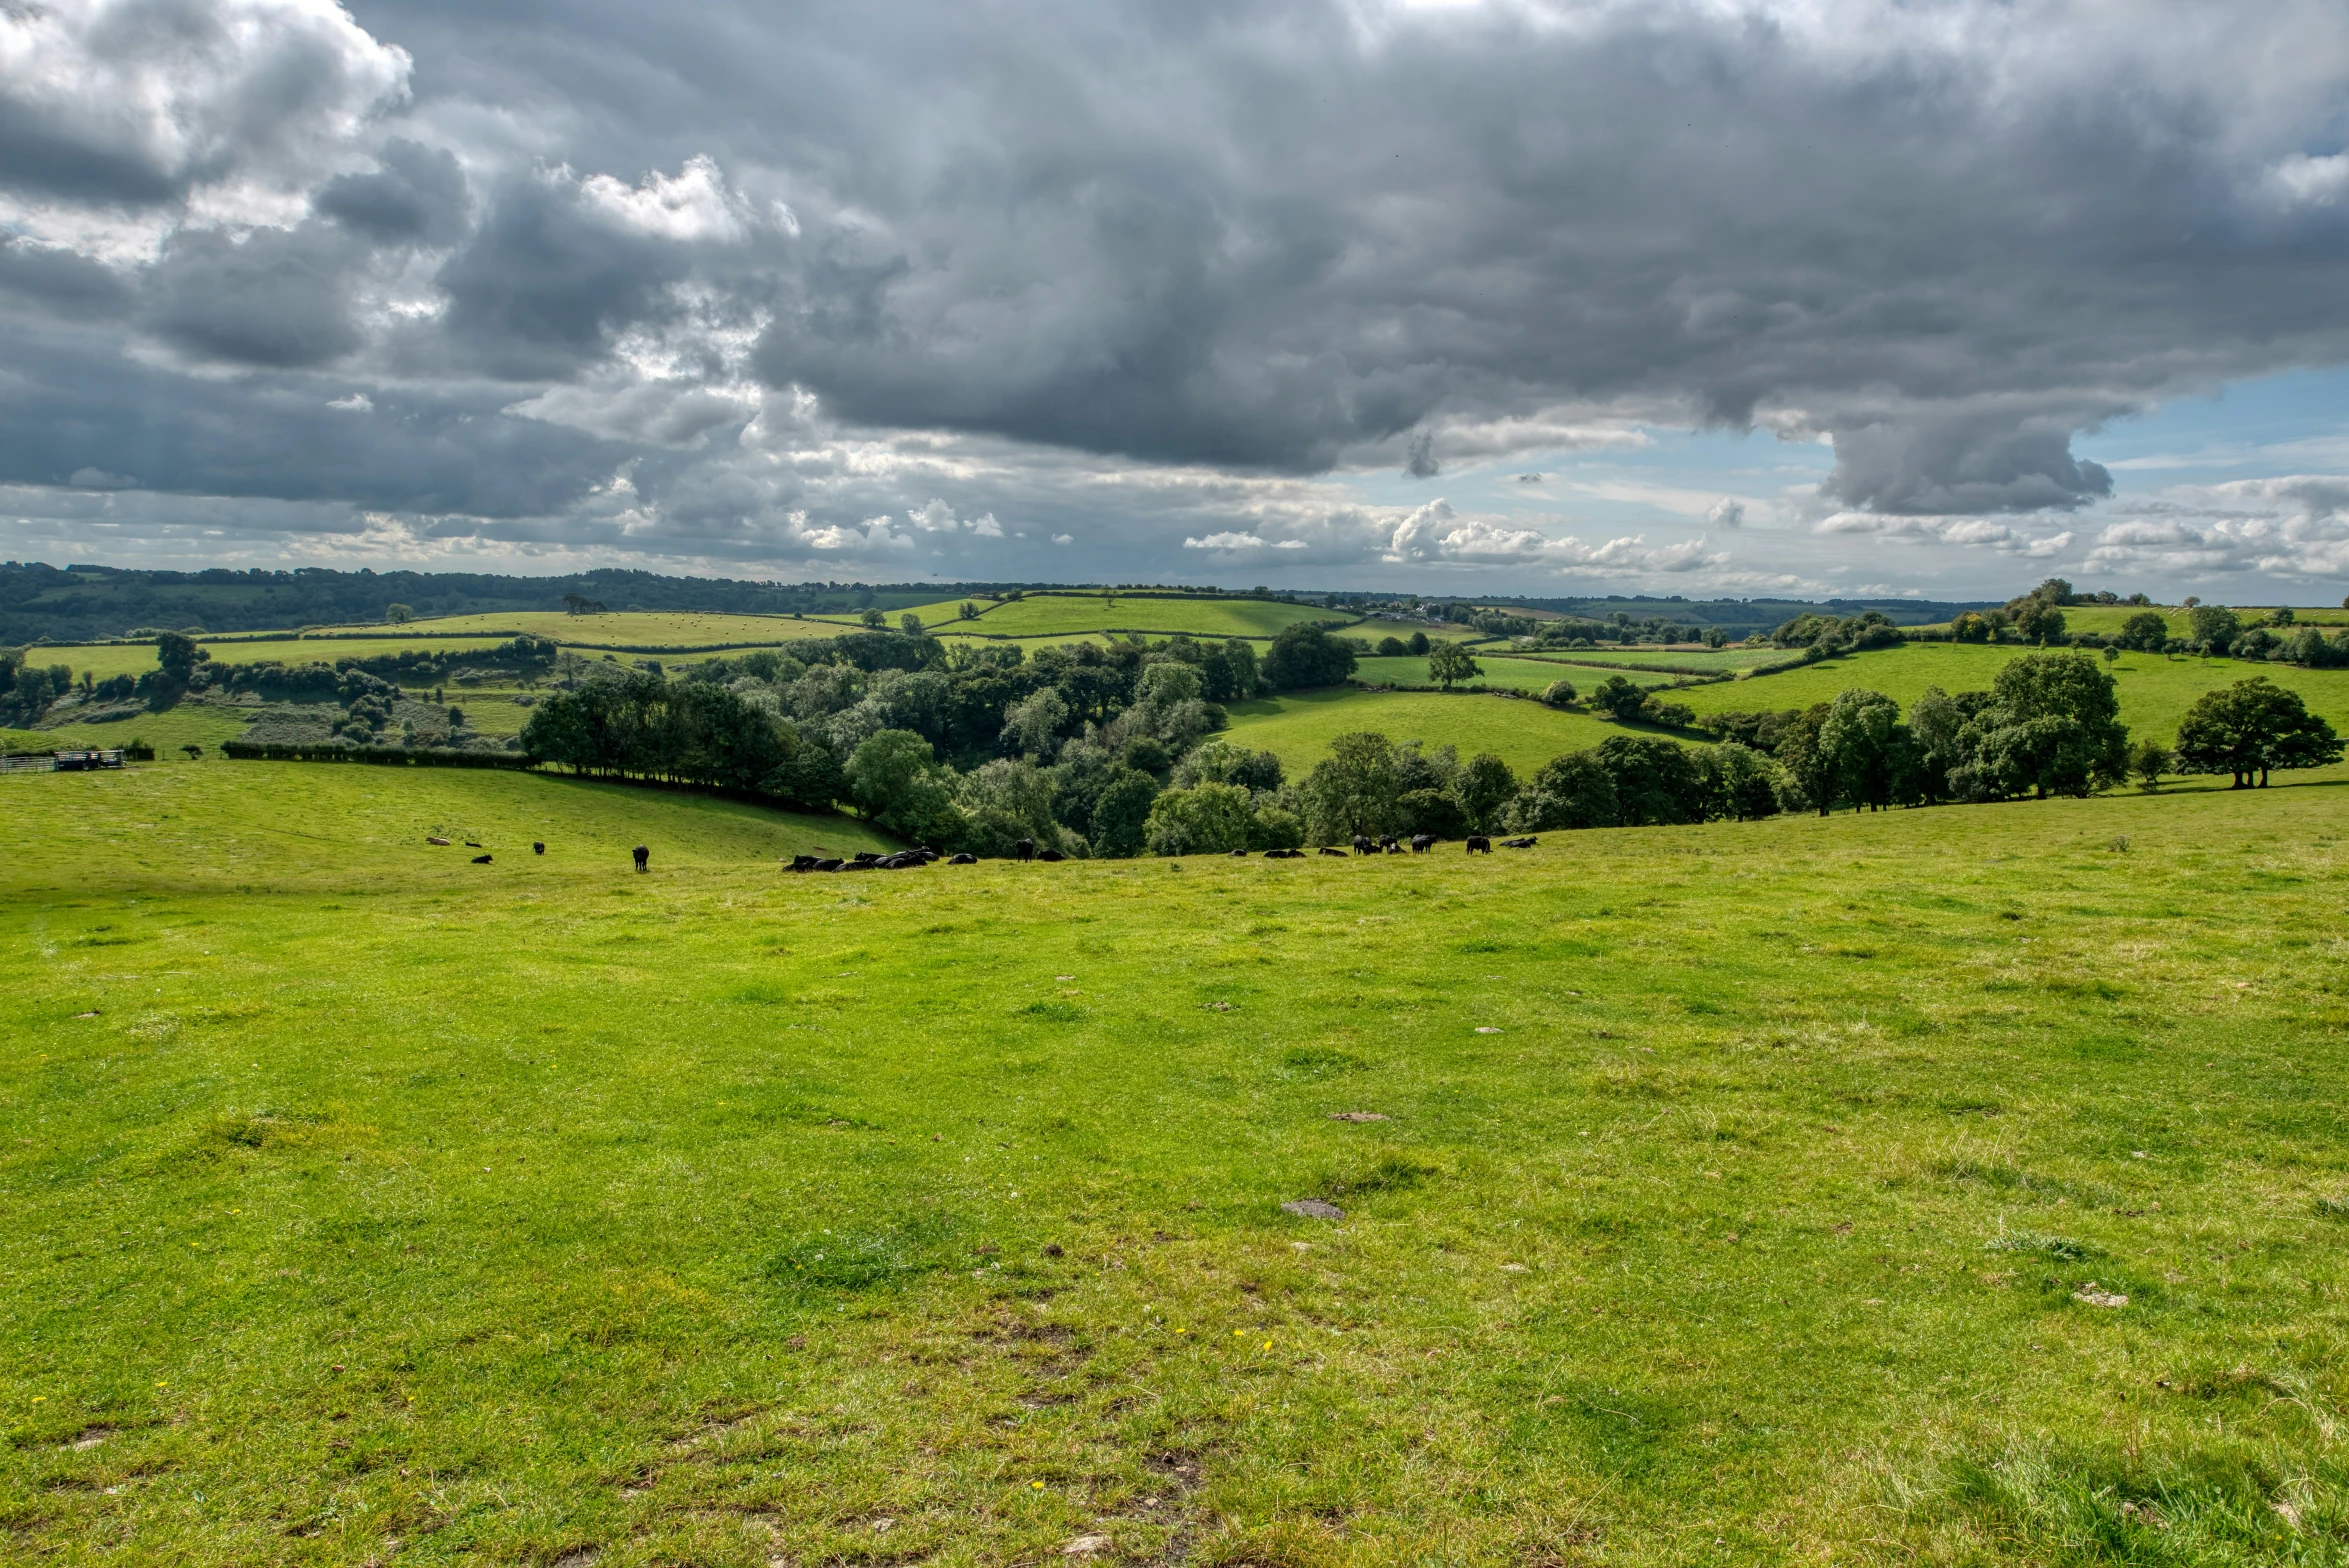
x: 744, y: 282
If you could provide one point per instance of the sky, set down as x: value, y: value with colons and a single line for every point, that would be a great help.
x: 1785, y: 297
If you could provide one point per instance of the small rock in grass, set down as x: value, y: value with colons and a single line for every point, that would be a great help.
x: 1486, y: 1029
x: 2091, y: 1295
x: 436, y: 839
x: 92, y: 1013
x: 1313, y: 1209
x: 1357, y: 1116
x: 1085, y: 1546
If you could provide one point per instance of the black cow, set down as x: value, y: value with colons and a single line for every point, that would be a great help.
x: 538, y: 849
x: 1421, y: 843
x: 1050, y: 855
x: 1480, y: 845
x: 825, y: 865
x: 481, y: 860
x: 1518, y: 843
x: 1239, y: 854
x: 1025, y: 849
x: 802, y: 863
x: 642, y: 856
x: 1386, y: 843
x: 856, y: 865
x: 964, y: 860
x: 1325, y: 849
x: 867, y: 856
x: 1363, y: 846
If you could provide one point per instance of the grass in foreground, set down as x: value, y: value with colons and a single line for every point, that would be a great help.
x: 715, y: 1216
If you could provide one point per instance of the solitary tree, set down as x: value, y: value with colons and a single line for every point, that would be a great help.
x: 193, y: 750
x: 398, y: 614
x: 1419, y: 644
x: 1485, y: 786
x: 875, y: 619
x: 968, y: 611
x: 2148, y: 761
x: 177, y: 657
x: 1448, y: 663
x: 2250, y: 728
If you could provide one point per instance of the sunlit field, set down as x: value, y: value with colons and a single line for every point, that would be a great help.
x: 1948, y: 1186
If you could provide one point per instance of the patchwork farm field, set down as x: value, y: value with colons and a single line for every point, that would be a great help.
x: 1533, y: 675
x: 629, y: 628
x: 1955, y: 1186
x: 1042, y: 614
x: 1298, y: 726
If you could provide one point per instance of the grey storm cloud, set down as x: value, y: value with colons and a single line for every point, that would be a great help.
x: 1951, y: 237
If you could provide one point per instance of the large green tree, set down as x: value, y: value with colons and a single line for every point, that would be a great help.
x: 1206, y: 819
x: 1871, y: 753
x: 1448, y: 664
x: 1484, y: 787
x: 1354, y: 789
x: 1304, y: 655
x: 899, y: 783
x: 2250, y: 728
x: 2052, y: 728
x: 1572, y: 791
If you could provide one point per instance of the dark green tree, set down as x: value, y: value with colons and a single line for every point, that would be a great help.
x: 1656, y: 781
x: 2145, y: 632
x: 1572, y: 791
x: 177, y: 657
x: 2249, y: 729
x: 1484, y: 787
x: 1304, y: 656
x: 1352, y: 790
x: 1619, y: 697
x: 1120, y: 813
x: 2052, y: 728
x: 1448, y: 664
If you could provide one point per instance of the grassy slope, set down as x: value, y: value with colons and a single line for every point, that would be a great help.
x: 1517, y: 674
x: 2155, y: 691
x: 1714, y: 660
x: 703, y: 1216
x: 290, y: 824
x: 188, y: 723
x: 1299, y: 726
x: 1042, y: 614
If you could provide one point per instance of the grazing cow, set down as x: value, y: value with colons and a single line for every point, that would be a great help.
x: 1363, y: 846
x: 1480, y: 845
x: 826, y: 865
x: 537, y: 848
x: 481, y: 860
x: 1325, y: 849
x: 964, y: 860
x: 1518, y: 843
x: 1386, y: 843
x: 1421, y: 843
x: 1395, y: 849
x: 643, y: 855
x: 1025, y: 849
x: 1050, y: 855
x: 442, y: 842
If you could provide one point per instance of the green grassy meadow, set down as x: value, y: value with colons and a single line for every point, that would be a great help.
x: 1717, y: 661
x: 1298, y: 726
x: 1958, y: 1187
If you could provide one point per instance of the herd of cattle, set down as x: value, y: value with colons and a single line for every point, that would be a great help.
x: 1025, y: 849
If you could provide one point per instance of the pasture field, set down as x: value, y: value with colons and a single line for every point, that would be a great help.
x: 1718, y: 661
x: 1298, y: 726
x: 628, y: 628
x: 1955, y: 1187
x: 1042, y: 614
x: 107, y: 659
x: 205, y: 724
x: 2155, y: 690
x: 1534, y: 675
